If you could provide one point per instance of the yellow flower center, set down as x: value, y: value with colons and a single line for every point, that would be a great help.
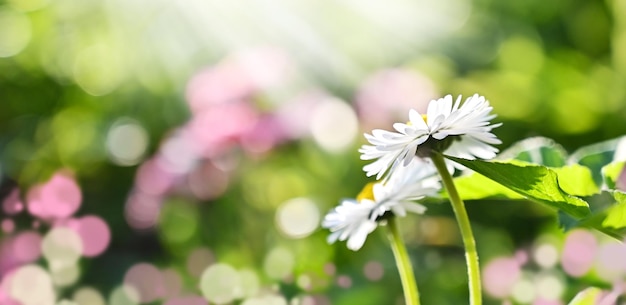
x: 367, y: 192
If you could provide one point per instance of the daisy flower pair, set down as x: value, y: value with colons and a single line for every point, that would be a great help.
x: 401, y: 163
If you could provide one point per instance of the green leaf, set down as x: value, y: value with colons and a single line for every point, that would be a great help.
x: 601, y: 204
x: 616, y: 215
x: 598, y: 155
x: 476, y: 186
x: 538, y: 150
x: 611, y: 172
x: 535, y: 182
x: 589, y: 296
x: 576, y: 180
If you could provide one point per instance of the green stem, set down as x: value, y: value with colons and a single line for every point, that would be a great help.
x: 471, y: 256
x: 411, y: 294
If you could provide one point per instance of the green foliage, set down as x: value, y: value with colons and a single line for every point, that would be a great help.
x: 535, y: 182
x: 589, y: 296
x: 611, y: 172
x: 616, y: 215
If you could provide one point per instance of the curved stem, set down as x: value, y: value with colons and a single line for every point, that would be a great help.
x: 471, y: 256
x: 411, y: 294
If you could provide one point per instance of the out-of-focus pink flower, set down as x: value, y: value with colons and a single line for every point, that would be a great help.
x: 58, y: 198
x: 214, y: 131
x: 578, y: 253
x: 142, y: 210
x: 20, y: 249
x: 12, y: 204
x: 147, y: 280
x: 611, y: 261
x: 153, y: 179
x: 94, y: 233
x: 237, y: 77
x: 385, y: 96
x: 295, y: 114
x: 500, y: 275
x: 264, y: 135
x: 207, y: 181
x: 187, y: 300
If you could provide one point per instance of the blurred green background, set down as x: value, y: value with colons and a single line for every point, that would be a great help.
x: 218, y: 133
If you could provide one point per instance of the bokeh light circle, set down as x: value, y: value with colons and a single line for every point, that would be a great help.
x: 94, y: 233
x: 524, y: 291
x: 373, y: 270
x: 279, y: 263
x: 500, y: 276
x: 88, y: 296
x: 578, y: 252
x: 334, y: 125
x: 62, y: 245
x: 549, y: 286
x: 126, y: 142
x: 186, y: 300
x: 250, y: 283
x: 198, y: 260
x: 546, y: 255
x: 124, y: 295
x: 27, y: 246
x: 298, y: 217
x: 266, y: 300
x: 220, y: 283
x: 59, y: 197
x: 15, y: 32
x: 146, y: 280
x: 64, y: 275
x: 31, y: 285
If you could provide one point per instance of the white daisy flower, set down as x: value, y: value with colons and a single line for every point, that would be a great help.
x: 354, y: 219
x: 461, y: 130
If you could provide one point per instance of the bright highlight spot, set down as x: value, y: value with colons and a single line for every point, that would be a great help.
x: 31, y: 285
x: 546, y: 255
x: 279, y: 263
x: 98, y: 70
x: 220, y: 284
x: 124, y: 295
x: 88, y: 296
x: 250, y: 283
x: 524, y: 291
x: 62, y: 246
x: 298, y: 217
x: 126, y: 142
x: 549, y: 287
x: 15, y: 32
x: 64, y: 275
x: 28, y: 5
x: 334, y: 125
x: 266, y: 300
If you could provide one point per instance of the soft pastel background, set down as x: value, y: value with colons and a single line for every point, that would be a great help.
x: 184, y: 152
